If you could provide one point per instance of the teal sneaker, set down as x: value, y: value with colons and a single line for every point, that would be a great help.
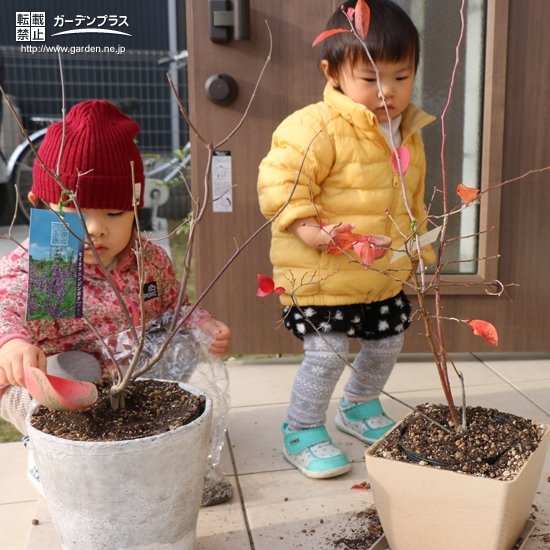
x: 365, y: 421
x: 313, y: 453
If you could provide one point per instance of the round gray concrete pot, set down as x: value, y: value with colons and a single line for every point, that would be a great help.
x: 141, y: 493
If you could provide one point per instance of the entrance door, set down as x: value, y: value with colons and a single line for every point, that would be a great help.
x: 292, y: 79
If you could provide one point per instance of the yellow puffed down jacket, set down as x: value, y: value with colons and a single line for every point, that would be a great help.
x: 331, y: 161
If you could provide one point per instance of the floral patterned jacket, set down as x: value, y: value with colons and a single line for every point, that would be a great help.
x: 102, y: 307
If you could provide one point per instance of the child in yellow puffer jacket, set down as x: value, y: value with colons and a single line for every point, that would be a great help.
x: 332, y: 170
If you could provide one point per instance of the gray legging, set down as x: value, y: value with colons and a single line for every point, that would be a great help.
x: 324, y: 361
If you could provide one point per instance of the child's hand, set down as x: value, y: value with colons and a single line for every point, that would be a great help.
x: 221, y: 334
x: 316, y: 236
x: 15, y: 356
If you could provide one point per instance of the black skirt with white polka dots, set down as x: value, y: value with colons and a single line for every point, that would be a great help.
x: 368, y: 321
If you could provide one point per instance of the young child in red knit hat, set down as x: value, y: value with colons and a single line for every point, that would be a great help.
x: 100, y: 163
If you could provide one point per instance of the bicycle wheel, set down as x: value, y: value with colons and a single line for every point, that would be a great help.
x: 22, y: 179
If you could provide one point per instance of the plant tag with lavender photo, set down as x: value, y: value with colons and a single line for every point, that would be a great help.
x: 56, y: 266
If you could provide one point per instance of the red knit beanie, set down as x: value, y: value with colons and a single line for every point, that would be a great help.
x: 99, y: 145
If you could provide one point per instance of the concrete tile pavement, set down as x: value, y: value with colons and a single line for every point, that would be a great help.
x: 17, y: 232
x: 274, y: 507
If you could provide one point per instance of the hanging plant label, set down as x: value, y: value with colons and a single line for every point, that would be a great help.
x: 56, y: 266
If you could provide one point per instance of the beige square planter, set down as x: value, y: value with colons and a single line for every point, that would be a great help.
x: 424, y: 508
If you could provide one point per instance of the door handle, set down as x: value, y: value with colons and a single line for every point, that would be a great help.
x: 227, y: 16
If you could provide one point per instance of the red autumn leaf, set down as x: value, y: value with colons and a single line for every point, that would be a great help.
x: 372, y: 248
x: 362, y: 18
x: 326, y: 34
x: 266, y: 286
x: 368, y: 254
x: 344, y: 241
x: 367, y: 247
x: 485, y: 330
x: 467, y: 194
x: 363, y: 485
x: 401, y: 156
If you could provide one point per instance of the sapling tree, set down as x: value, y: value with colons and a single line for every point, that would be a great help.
x: 430, y: 283
x: 134, y: 364
x: 426, y: 282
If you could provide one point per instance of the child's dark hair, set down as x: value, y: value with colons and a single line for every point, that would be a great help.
x: 392, y: 37
x: 39, y: 204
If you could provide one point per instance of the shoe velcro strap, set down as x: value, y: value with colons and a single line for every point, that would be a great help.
x: 299, y: 440
x: 363, y: 410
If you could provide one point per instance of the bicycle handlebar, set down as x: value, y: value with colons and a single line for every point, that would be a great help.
x: 181, y: 56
